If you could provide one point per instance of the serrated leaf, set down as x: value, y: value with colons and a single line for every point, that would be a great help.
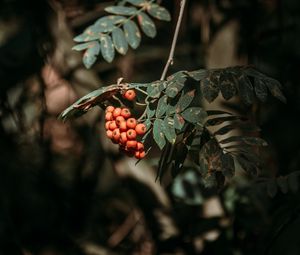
x: 245, y: 90
x: 194, y: 115
x: 119, y: 41
x: 245, y: 139
x: 121, y: 10
x: 89, y: 57
x: 247, y: 165
x: 210, y: 88
x: 147, y: 123
x: 158, y: 133
x: 198, y: 75
x: 82, y: 38
x: 185, y: 100
x: 132, y: 34
x: 260, y: 89
x: 178, y: 121
x: 274, y: 87
x: 228, y: 86
x: 227, y: 165
x: 159, y: 12
x: 161, y: 106
x: 169, y: 130
x: 219, y: 120
x: 81, y: 46
x: 107, y: 48
x: 147, y: 25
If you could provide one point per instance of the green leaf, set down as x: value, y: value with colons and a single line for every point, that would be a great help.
x: 228, y: 86
x: 147, y: 25
x: 150, y: 110
x: 210, y: 88
x: 132, y: 34
x: 154, y: 89
x: 89, y: 57
x: 82, y: 46
x: 274, y: 87
x: 245, y: 139
x: 136, y: 2
x: 260, y: 89
x: 158, y: 133
x: 194, y: 115
x: 227, y: 165
x: 159, y: 12
x: 121, y: 10
x: 173, y: 88
x: 82, y: 38
x: 185, y: 100
x: 169, y: 130
x: 178, y: 121
x: 161, y: 106
x: 119, y: 41
x: 110, y: 21
x: 198, y: 75
x: 245, y: 90
x: 107, y: 48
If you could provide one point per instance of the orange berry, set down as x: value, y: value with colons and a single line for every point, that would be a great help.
x: 109, y: 116
x: 139, y: 146
x: 107, y: 125
x: 140, y: 129
x: 131, y: 134
x: 119, y: 119
x: 109, y: 108
x: 112, y: 125
x: 140, y: 154
x: 131, y: 123
x: 117, y: 112
x: 123, y: 138
x: 130, y: 94
x: 131, y: 144
x: 116, y: 134
x: 123, y: 126
x: 109, y: 134
x: 125, y: 113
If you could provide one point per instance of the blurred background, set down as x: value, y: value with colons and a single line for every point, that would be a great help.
x: 65, y: 190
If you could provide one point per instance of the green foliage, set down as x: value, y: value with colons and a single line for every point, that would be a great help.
x: 119, y: 30
x: 181, y: 127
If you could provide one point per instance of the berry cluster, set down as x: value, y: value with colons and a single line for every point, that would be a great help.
x: 123, y: 129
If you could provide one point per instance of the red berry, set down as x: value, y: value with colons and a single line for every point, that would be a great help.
x: 109, y: 134
x: 108, y: 116
x: 131, y: 134
x: 140, y: 129
x: 131, y: 123
x: 130, y: 94
x: 123, y: 138
x: 131, y: 145
x: 119, y: 119
x: 109, y: 108
x: 117, y: 112
x: 139, y: 146
x: 112, y: 125
x: 107, y: 125
x: 123, y: 126
x: 140, y: 154
x: 126, y: 113
x: 116, y: 134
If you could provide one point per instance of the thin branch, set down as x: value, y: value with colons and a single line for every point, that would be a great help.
x: 171, y: 55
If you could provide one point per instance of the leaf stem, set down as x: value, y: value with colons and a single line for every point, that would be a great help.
x: 175, y: 37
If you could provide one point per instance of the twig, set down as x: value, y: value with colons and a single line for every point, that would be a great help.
x: 171, y: 55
